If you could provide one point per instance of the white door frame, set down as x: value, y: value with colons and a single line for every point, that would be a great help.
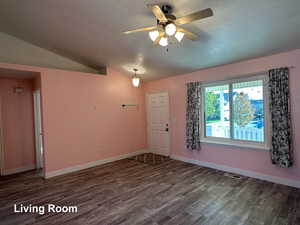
x: 1, y: 141
x: 38, y: 128
x: 148, y: 120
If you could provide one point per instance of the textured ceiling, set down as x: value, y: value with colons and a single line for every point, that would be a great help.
x: 91, y: 32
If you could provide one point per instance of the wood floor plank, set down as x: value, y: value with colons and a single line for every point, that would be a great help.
x: 160, y: 192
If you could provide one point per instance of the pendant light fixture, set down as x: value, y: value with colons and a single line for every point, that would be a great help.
x: 135, y: 79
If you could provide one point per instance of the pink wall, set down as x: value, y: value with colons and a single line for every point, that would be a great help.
x: 84, y: 120
x: 18, y: 123
x: 242, y: 158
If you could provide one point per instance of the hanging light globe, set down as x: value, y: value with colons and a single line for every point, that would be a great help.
x: 170, y: 29
x: 135, y: 79
x: 153, y: 35
x: 179, y: 36
x: 163, y: 41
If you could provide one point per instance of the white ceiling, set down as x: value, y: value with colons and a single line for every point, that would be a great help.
x: 91, y: 32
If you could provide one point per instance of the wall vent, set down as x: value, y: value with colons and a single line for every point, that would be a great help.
x: 233, y: 176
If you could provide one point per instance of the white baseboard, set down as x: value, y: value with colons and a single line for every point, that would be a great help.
x: 261, y: 176
x: 91, y: 164
x: 18, y: 170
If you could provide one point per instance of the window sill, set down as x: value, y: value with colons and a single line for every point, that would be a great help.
x: 239, y: 145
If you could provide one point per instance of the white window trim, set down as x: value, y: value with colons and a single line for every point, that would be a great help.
x: 230, y: 141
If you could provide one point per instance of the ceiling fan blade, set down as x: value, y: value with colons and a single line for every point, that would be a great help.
x: 157, y: 40
x: 161, y: 34
x: 188, y: 34
x: 158, y: 13
x: 140, y: 30
x: 194, y: 16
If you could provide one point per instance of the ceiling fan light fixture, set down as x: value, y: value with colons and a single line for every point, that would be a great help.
x: 170, y: 29
x: 179, y: 35
x: 163, y: 41
x: 168, y: 25
x: 153, y: 35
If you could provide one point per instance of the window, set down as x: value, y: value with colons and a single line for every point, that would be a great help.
x: 236, y: 112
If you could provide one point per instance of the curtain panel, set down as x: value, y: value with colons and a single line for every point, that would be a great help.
x: 193, y: 115
x: 281, y: 149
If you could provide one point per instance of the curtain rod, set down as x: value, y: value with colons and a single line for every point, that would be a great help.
x: 243, y: 75
x: 290, y: 67
x: 266, y: 71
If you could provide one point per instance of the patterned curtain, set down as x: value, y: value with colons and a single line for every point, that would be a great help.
x: 193, y: 116
x: 281, y: 151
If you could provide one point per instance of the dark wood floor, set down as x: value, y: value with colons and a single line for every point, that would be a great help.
x: 168, y: 192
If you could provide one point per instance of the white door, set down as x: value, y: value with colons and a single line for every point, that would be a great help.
x: 158, y: 123
x: 38, y: 129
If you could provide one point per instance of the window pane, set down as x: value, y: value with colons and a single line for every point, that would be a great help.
x: 248, y: 111
x: 217, y: 113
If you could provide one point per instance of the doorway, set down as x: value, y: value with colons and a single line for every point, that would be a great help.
x: 158, y: 124
x: 19, y: 109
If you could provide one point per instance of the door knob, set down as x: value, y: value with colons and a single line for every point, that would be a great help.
x: 167, y: 129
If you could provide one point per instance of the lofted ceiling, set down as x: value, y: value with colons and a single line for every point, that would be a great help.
x: 91, y: 32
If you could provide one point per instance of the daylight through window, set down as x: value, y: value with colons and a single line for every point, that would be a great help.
x: 235, y: 110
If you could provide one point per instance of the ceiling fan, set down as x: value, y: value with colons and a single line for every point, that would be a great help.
x: 168, y: 25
